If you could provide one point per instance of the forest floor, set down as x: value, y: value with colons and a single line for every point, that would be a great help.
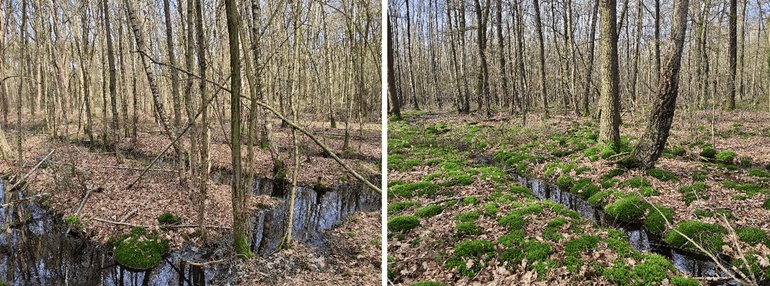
x: 457, y: 215
x: 159, y: 190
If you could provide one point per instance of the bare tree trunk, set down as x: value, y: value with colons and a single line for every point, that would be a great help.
x: 591, y: 49
x: 652, y: 143
x: 541, y: 58
x: 743, y: 47
x: 463, y: 66
x: 22, y: 52
x: 174, y: 73
x: 637, y: 44
x: 482, y: 84
x: 609, y: 101
x: 239, y: 195
x: 113, y: 92
x: 151, y: 80
x: 657, y: 41
x: 392, y: 91
x: 409, y: 54
x: 732, y: 25
x: 203, y: 170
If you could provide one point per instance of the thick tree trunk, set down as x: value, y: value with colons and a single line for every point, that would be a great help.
x: 652, y: 143
x: 395, y: 103
x: 609, y: 100
x: 541, y: 59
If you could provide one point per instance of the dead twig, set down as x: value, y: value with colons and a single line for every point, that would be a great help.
x: 31, y: 171
x: 83, y: 202
x: 135, y: 210
x: 11, y: 203
x: 213, y: 262
x: 148, y: 226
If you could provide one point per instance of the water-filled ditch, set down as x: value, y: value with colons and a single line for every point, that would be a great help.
x: 695, y: 264
x: 36, y: 251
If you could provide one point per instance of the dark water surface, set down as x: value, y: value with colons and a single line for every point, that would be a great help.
x: 37, y: 251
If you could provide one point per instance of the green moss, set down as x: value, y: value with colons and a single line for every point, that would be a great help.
x: 430, y: 177
x: 661, y: 175
x: 752, y: 235
x: 550, y: 231
x: 655, y: 222
x: 493, y: 174
x: 74, y: 222
x: 637, y: 182
x: 629, y: 208
x: 512, y: 221
x: 708, y: 152
x: 630, y: 162
x: 759, y: 173
x: 168, y: 218
x: 649, y: 191
x: 766, y: 204
x: 708, y: 235
x: 608, y: 151
x: 600, y: 197
x: 684, y: 281
x: 457, y: 178
x: 565, y: 182
x: 447, y: 166
x: 402, y: 223
x: 491, y: 209
x: 515, y: 236
x: 399, y: 206
x: 575, y: 246
x: 468, y: 228
x: 726, y: 157
x: 395, y: 183
x: 699, y: 176
x: 470, y: 250
x: 429, y: 211
x: 581, y: 170
x: 606, y: 184
x: 749, y: 189
x: 654, y: 269
x: 471, y: 201
x: 422, y: 188
x: 703, y: 214
x: 618, y: 274
x: 753, y: 264
x: 527, y: 193
x: 467, y: 216
x: 140, y: 250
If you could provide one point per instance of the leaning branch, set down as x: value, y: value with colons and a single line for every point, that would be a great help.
x: 280, y: 116
x: 148, y: 226
x: 33, y: 170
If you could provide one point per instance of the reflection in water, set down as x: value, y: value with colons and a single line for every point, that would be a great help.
x: 688, y: 262
x: 38, y: 252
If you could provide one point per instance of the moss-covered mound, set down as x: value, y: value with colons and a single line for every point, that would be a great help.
x: 709, y: 236
x: 661, y: 175
x: 655, y: 222
x: 726, y: 157
x: 629, y: 208
x: 168, y: 218
x: 399, y: 206
x: 139, y: 250
x: 429, y: 211
x: 402, y: 223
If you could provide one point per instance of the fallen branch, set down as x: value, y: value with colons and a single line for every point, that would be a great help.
x: 135, y: 210
x: 213, y: 262
x: 117, y: 167
x: 280, y: 116
x: 148, y: 226
x: 30, y: 172
x: 11, y: 203
x: 83, y: 202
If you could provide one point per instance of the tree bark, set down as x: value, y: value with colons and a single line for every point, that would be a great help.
x: 732, y: 24
x: 409, y: 54
x: 239, y: 195
x: 591, y: 49
x: 392, y: 91
x: 652, y: 143
x: 609, y: 100
x: 113, y: 91
x: 541, y: 58
x: 203, y: 170
x: 482, y: 84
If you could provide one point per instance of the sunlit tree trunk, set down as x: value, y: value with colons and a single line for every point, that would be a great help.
x: 609, y: 101
x: 113, y: 91
x: 732, y: 26
x: 395, y: 103
x: 652, y: 143
x: 541, y: 59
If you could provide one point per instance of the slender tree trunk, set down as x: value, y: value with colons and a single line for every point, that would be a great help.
x: 409, y: 54
x: 123, y: 88
x: 203, y: 170
x: 657, y: 41
x: 637, y: 44
x: 591, y: 49
x: 151, y: 80
x: 173, y: 72
x: 22, y: 52
x: 463, y: 67
x: 239, y: 195
x: 732, y: 24
x: 541, y: 58
x: 482, y: 85
x: 740, y: 56
x: 113, y: 91
x: 609, y: 102
x: 652, y: 143
x: 187, y: 27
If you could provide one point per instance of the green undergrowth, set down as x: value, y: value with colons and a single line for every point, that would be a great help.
x: 399, y: 206
x: 709, y: 236
x: 402, y: 223
x: 429, y: 211
x: 694, y: 192
x: 473, y: 251
x: 139, y: 249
